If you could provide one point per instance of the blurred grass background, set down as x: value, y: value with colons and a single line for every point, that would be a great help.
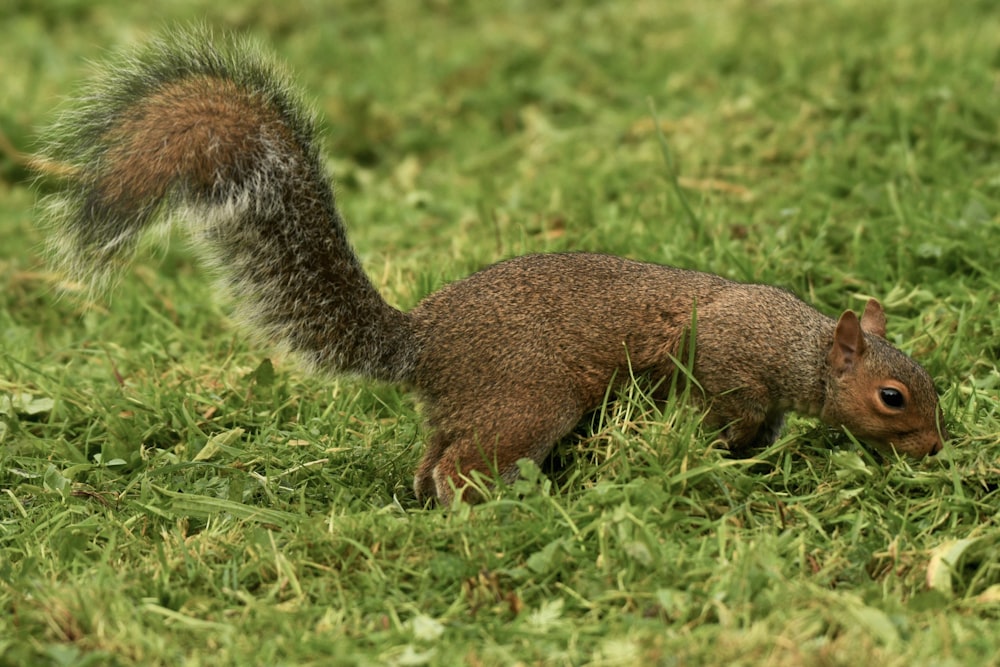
x: 173, y: 495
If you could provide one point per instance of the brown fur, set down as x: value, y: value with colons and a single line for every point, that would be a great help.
x: 516, y: 354
x: 507, y: 360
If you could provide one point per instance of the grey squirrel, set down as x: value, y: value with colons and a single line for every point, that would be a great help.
x: 508, y: 360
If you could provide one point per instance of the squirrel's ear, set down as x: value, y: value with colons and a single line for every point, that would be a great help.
x: 873, y: 320
x: 848, y: 343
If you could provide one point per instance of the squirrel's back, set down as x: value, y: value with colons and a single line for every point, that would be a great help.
x: 602, y: 314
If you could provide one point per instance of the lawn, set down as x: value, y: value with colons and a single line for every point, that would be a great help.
x: 172, y: 493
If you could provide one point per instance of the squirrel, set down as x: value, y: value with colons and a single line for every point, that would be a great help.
x: 211, y: 136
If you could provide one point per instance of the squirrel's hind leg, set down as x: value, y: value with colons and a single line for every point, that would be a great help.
x: 491, y: 440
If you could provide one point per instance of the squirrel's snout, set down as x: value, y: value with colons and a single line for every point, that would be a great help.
x: 942, y: 435
x: 939, y: 442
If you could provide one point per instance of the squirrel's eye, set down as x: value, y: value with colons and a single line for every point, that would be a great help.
x: 893, y: 398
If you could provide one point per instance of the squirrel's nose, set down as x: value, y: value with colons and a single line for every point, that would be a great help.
x: 938, y: 443
x: 942, y: 433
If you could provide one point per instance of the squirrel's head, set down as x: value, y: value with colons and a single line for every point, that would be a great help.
x: 879, y: 394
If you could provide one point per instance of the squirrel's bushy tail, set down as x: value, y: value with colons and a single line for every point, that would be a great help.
x: 213, y: 138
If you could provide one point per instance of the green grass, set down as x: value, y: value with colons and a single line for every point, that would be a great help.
x: 170, y: 494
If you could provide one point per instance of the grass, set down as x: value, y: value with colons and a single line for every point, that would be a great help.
x: 170, y: 494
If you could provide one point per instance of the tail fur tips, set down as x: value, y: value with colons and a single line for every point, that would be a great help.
x: 211, y: 136
x: 182, y: 122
